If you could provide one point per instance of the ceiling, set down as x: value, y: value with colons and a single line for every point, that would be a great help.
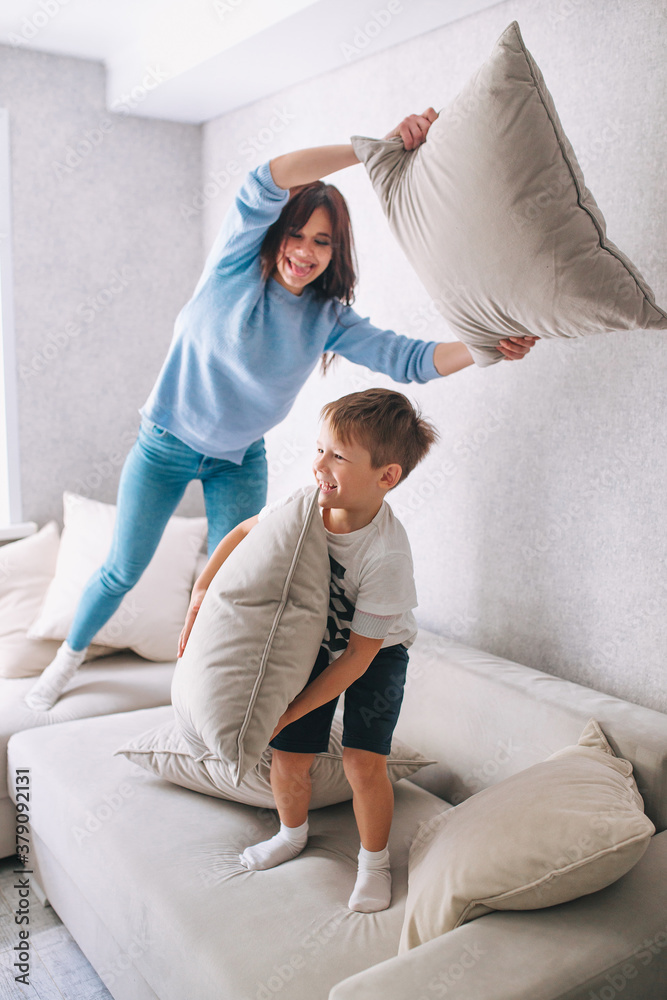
x: 192, y: 60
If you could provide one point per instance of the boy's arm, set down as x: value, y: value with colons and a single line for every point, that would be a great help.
x: 335, y: 679
x: 225, y: 547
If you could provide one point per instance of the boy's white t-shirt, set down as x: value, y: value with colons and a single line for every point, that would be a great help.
x: 372, y: 588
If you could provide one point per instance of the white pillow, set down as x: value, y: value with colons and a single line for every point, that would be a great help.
x: 553, y: 832
x: 151, y: 616
x: 165, y: 752
x: 493, y: 213
x: 26, y: 570
x: 256, y: 637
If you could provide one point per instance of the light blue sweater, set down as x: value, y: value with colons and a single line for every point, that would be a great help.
x: 243, y: 347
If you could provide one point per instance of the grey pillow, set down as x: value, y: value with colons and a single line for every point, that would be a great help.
x: 493, y: 213
x: 164, y: 751
x: 256, y: 637
x: 556, y: 831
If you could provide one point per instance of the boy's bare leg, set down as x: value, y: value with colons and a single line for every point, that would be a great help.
x: 373, y: 803
x: 291, y: 785
x: 290, y: 781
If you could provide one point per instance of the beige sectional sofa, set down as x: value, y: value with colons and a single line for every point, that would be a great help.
x: 146, y: 874
x: 117, y: 683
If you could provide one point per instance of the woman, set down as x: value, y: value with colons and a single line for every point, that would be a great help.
x: 273, y: 298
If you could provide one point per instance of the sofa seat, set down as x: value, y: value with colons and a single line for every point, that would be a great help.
x: 609, y: 944
x: 157, y: 866
x: 103, y: 686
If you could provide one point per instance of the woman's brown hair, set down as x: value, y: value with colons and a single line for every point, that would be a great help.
x: 338, y: 280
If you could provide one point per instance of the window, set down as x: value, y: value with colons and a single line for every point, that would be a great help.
x: 10, y: 488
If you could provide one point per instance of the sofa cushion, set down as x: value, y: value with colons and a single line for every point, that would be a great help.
x: 485, y: 718
x: 151, y: 616
x: 164, y: 751
x: 256, y: 637
x: 493, y: 213
x: 159, y: 865
x: 611, y: 945
x: 558, y: 830
x: 26, y: 570
x: 119, y: 683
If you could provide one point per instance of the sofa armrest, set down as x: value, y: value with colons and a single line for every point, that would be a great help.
x: 612, y: 943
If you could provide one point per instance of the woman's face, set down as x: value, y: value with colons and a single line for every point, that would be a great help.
x: 305, y: 254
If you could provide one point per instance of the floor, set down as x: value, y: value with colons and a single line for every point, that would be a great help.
x: 58, y: 969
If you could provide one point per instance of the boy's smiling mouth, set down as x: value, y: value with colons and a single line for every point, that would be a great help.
x: 326, y: 487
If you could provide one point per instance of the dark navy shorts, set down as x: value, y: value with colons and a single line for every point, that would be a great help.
x: 372, y: 705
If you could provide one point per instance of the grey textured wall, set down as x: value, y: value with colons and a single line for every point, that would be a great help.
x: 537, y: 523
x: 104, y: 257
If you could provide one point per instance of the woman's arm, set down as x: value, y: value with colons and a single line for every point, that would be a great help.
x: 306, y: 165
x: 202, y: 583
x: 452, y: 357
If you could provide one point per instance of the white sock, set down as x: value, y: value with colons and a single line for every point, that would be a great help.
x: 372, y: 890
x: 54, y: 678
x: 287, y: 843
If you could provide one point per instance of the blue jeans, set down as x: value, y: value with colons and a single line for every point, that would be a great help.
x: 152, y: 483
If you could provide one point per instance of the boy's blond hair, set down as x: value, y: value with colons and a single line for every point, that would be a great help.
x: 385, y: 423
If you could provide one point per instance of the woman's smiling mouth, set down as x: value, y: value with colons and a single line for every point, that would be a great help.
x: 300, y: 270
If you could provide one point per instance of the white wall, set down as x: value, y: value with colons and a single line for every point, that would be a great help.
x: 104, y: 257
x: 537, y: 522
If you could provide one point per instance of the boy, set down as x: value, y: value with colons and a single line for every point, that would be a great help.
x: 369, y: 442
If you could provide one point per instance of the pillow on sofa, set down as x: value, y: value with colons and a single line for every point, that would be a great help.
x: 493, y: 213
x: 151, y: 616
x: 26, y: 570
x: 256, y: 637
x: 553, y: 832
x: 164, y: 751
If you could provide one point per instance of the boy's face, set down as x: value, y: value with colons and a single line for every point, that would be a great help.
x: 345, y: 476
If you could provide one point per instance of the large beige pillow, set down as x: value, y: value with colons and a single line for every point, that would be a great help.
x: 553, y: 832
x: 256, y: 637
x: 165, y: 752
x: 493, y: 213
x: 151, y: 616
x: 26, y: 570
